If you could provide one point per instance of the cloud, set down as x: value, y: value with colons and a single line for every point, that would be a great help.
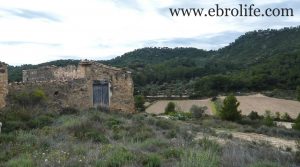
x: 209, y: 42
x: 30, y: 14
x: 26, y: 43
x: 36, y: 31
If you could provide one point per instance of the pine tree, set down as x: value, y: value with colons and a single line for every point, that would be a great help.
x: 230, y: 110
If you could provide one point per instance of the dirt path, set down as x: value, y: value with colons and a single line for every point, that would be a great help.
x: 254, y: 137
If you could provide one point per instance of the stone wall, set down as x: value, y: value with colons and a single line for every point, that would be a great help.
x: 73, y: 86
x: 59, y: 93
x: 3, y: 84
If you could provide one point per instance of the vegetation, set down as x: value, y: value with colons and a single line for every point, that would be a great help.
x: 264, y: 60
x: 298, y: 93
x: 41, y: 136
x: 139, y: 103
x: 268, y: 120
x: 197, y: 111
x: 170, y: 108
x: 297, y: 123
x: 230, y: 110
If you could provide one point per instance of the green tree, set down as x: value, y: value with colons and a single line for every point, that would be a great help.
x: 297, y: 123
x: 139, y: 103
x: 268, y: 120
x: 298, y: 93
x: 170, y: 108
x: 230, y: 110
x: 197, y: 111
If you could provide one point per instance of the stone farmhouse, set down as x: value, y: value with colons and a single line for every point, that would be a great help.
x: 87, y: 85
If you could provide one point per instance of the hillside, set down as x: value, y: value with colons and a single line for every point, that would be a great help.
x: 257, y: 61
x: 41, y: 136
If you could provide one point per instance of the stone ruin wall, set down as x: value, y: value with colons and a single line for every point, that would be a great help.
x: 3, y: 84
x: 72, y: 86
x: 59, y: 93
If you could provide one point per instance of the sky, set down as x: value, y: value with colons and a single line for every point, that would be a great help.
x: 37, y: 31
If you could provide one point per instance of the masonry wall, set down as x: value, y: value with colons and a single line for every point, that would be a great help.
x: 3, y: 84
x: 72, y: 86
x: 59, y: 93
x: 121, y: 85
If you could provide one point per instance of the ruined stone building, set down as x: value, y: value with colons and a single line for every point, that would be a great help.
x: 90, y: 84
x: 3, y: 83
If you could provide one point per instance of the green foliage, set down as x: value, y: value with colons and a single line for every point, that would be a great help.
x: 68, y: 110
x: 21, y: 161
x: 170, y: 108
x: 180, y: 115
x: 139, y: 103
x: 286, y: 117
x: 115, y: 157
x: 253, y: 115
x: 297, y: 123
x: 264, y: 164
x: 298, y: 93
x: 152, y: 160
x: 268, y: 120
x: 28, y: 98
x: 197, y: 111
x: 230, y: 110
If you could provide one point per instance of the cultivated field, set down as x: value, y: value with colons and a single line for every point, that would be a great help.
x: 258, y: 103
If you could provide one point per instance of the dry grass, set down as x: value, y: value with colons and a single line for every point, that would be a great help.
x: 258, y: 103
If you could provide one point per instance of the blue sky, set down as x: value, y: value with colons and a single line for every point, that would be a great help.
x: 36, y: 31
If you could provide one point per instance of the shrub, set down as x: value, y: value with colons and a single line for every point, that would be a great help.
x: 21, y: 161
x: 196, y: 157
x: 268, y: 120
x: 40, y: 121
x: 68, y: 111
x: 264, y: 164
x: 96, y: 137
x: 152, y: 160
x: 115, y: 157
x: 172, y: 153
x: 298, y: 93
x: 30, y: 98
x: 197, y: 111
x: 230, y: 110
x: 139, y: 103
x: 253, y: 115
x: 286, y: 117
x: 170, y: 108
x: 277, y: 116
x: 297, y: 123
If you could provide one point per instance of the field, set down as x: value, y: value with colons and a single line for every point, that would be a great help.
x: 258, y: 103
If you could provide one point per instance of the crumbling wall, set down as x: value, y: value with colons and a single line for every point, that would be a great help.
x: 121, y: 85
x: 76, y: 84
x: 3, y: 84
x: 59, y: 93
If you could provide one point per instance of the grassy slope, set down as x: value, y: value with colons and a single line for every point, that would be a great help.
x: 94, y: 138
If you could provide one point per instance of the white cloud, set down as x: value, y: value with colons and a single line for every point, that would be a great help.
x: 35, y: 31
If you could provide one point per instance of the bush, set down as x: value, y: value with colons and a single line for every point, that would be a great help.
x: 21, y: 161
x: 230, y: 110
x: 30, y: 98
x: 170, y: 108
x: 268, y: 120
x: 139, y: 103
x: 297, y: 123
x: 286, y: 117
x: 197, y: 111
x: 254, y: 115
x: 68, y: 111
x: 152, y: 160
x: 40, y: 121
x: 298, y: 93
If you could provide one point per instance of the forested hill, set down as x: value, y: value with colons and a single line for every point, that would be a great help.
x: 258, y: 60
